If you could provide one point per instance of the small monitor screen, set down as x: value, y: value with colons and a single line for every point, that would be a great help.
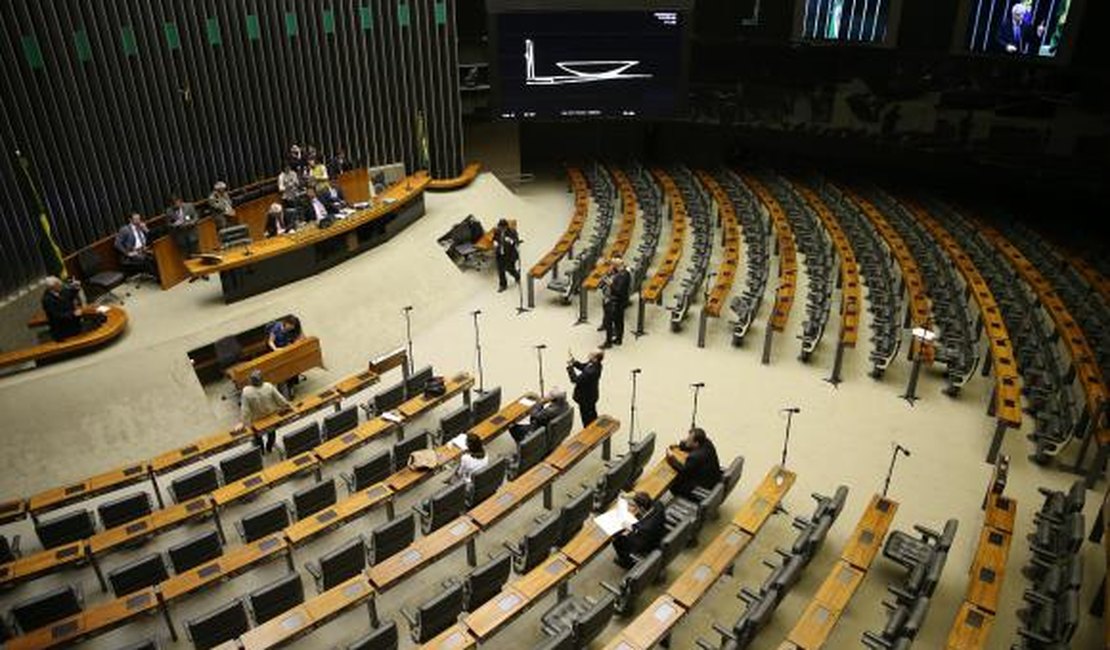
x: 585, y: 64
x: 1017, y: 28
x: 861, y: 21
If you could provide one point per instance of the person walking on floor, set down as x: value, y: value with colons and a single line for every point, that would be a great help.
x: 505, y: 244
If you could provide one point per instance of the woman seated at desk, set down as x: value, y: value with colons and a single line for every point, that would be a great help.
x: 472, y: 460
x: 279, y: 334
x: 275, y: 221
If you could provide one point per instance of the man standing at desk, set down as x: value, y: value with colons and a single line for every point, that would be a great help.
x: 61, y: 302
x: 133, y: 245
x: 220, y: 201
x: 182, y: 218
x: 258, y: 400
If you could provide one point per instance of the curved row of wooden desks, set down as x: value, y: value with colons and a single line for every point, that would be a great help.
x: 619, y: 246
x: 236, y: 561
x: 730, y: 243
x: 850, y: 301
x: 788, y: 256
x: 1083, y: 358
x: 565, y: 244
x: 653, y: 289
x: 468, y: 175
x: 114, y: 325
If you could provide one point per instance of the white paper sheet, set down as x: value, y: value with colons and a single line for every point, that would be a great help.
x: 616, y: 518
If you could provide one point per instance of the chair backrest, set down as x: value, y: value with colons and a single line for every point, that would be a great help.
x: 313, y: 499
x: 391, y: 537
x: 301, y: 440
x: 404, y: 448
x: 197, y: 482
x: 574, y: 513
x: 529, y: 452
x: 90, y: 262
x: 228, y: 352
x: 593, y: 621
x: 643, y: 450
x: 195, y: 551
x: 638, y: 579
x: 731, y: 476
x: 559, y: 428
x: 264, y: 521
x: 120, y: 511
x: 277, y: 597
x: 484, y: 405
x: 144, y: 572
x: 7, y: 552
x: 455, y: 422
x: 437, y: 614
x: 242, y: 464
x: 390, y: 397
x: 219, y: 625
x: 374, y: 469
x: 341, y: 422
x: 709, y: 507
x: 486, y: 581
x: 564, y: 640
x: 383, y: 637
x: 445, y: 505
x: 414, y: 385
x: 615, y: 479
x: 484, y: 482
x: 676, y: 540
x: 65, y: 528
x: 44, y: 609
x: 342, y: 563
x: 537, y: 544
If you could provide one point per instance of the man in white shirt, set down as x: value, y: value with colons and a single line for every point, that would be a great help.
x: 133, y: 245
x: 317, y: 211
x: 258, y: 400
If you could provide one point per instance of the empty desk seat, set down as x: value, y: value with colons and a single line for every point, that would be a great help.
x: 382, y: 637
x: 341, y: 422
x: 444, y: 506
x: 338, y: 565
x: 197, y: 482
x: 241, y: 465
x: 536, y: 544
x: 124, y: 509
x: 435, y: 615
x: 485, y: 404
x: 64, y: 529
x: 404, y: 448
x: 144, y: 572
x: 484, y: 483
x: 391, y: 538
x: 195, y: 551
x: 218, y: 625
x: 484, y: 582
x: 260, y: 523
x: 276, y: 598
x: 301, y: 440
x: 44, y: 609
x: 374, y: 469
x: 313, y: 499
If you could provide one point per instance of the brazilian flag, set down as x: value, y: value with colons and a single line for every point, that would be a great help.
x: 422, y: 141
x: 48, y: 248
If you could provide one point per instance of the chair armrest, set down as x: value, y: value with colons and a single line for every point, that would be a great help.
x: 926, y: 533
x: 239, y: 529
x: 784, y: 554
x: 903, y: 595
x: 769, y: 564
x: 450, y: 583
x: 348, y: 480
x: 1030, y: 634
x: 511, y: 548
x: 1036, y: 597
x: 13, y: 545
x: 704, y: 645
x: 610, y: 588
x: 423, y: 508
x: 747, y: 595
x: 409, y: 615
x: 801, y: 523
x: 313, y: 570
x: 872, y: 640
x: 724, y: 632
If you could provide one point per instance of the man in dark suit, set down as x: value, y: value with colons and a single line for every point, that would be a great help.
x: 505, y: 243
x: 550, y: 407
x: 586, y: 377
x: 61, y: 302
x: 616, y: 300
x: 133, y: 245
x: 182, y: 218
x: 701, y: 469
x: 645, y: 535
x: 1016, y: 35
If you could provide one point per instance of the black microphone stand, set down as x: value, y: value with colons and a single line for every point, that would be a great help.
x: 697, y: 388
x: 408, y: 334
x: 890, y: 471
x: 632, y: 414
x: 478, y: 349
x: 539, y: 360
x: 786, y: 439
x: 520, y: 308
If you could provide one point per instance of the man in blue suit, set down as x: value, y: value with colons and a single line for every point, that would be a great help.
x: 1016, y: 35
x: 133, y: 245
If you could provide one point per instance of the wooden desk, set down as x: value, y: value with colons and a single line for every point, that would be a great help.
x: 153, y: 524
x: 232, y: 563
x: 1001, y: 512
x: 971, y: 629
x: 623, y: 239
x: 650, y: 627
x: 694, y: 583
x: 574, y: 228
x: 12, y: 510
x: 851, y: 299
x: 421, y: 553
x: 511, y: 495
x: 766, y: 498
x: 539, y: 581
x: 353, y: 507
x: 281, y: 364
x: 357, y: 382
x: 113, y: 327
x: 263, y: 265
x: 456, y: 637
x: 485, y: 621
x: 95, y: 486
x: 575, y: 448
x: 267, y: 478
x: 588, y: 542
x: 422, y: 403
x: 988, y: 569
x: 654, y: 286
x: 35, y: 565
x: 91, y: 622
x: 656, y: 480
x: 344, y: 444
x: 469, y: 173
x: 730, y: 242
x: 309, y: 615
x: 198, y: 450
x: 867, y: 538
x: 788, y: 254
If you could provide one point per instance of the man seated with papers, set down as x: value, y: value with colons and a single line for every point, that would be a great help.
x: 543, y: 412
x: 643, y: 525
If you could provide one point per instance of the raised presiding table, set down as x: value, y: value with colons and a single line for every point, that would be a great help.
x: 281, y: 364
x: 115, y: 323
x: 263, y: 265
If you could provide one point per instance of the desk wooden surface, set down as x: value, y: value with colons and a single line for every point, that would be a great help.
x: 971, y: 629
x: 422, y: 552
x: 231, y: 563
x: 851, y: 299
x: 650, y: 627
x: 762, y: 503
x: 656, y: 480
x: 281, y: 364
x: 13, y: 510
x: 114, y: 326
x: 1001, y: 512
x: 511, y: 495
x: 588, y: 542
x: 401, y: 194
x: 821, y: 615
x: 91, y: 487
x: 623, y: 239
x: 574, y: 448
x: 265, y: 479
x: 313, y: 613
x: 788, y: 254
x: 694, y: 583
x: 485, y: 621
x: 346, y: 443
x: 730, y: 241
x: 867, y: 538
x: 545, y: 577
x: 469, y: 173
x: 652, y: 290
x: 988, y: 569
x: 422, y: 403
x: 95, y: 620
x: 456, y: 637
x: 34, y: 565
x: 574, y: 228
x: 343, y: 512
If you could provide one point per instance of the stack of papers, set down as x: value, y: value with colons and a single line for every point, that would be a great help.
x: 616, y: 518
x: 527, y: 402
x: 393, y: 417
x: 459, y: 441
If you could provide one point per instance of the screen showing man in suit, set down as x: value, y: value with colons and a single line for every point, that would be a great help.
x: 1018, y: 28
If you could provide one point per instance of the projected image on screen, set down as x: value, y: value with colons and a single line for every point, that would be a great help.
x: 1017, y: 27
x: 845, y: 20
x: 589, y: 64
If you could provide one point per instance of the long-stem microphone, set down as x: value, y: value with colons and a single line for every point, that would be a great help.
x: 902, y: 449
x: 636, y: 371
x: 791, y: 409
x: 700, y: 384
x: 541, y: 346
x: 476, y: 312
x: 406, y: 308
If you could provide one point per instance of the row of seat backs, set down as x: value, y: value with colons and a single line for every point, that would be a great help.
x: 535, y: 446
x: 437, y: 614
x: 231, y: 620
x: 395, y: 394
x: 622, y: 473
x: 42, y: 610
x: 573, y: 623
x: 80, y: 524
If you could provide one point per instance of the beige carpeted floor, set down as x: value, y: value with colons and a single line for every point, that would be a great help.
x: 140, y: 397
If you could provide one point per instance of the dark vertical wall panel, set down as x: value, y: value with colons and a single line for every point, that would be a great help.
x: 172, y: 95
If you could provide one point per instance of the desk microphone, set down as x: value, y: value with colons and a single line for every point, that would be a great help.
x: 900, y: 448
x: 700, y: 384
x: 476, y: 312
x: 407, y: 308
x: 791, y: 409
x: 637, y: 371
x: 541, y: 346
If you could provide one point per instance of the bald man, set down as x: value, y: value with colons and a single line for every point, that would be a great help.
x: 62, y: 305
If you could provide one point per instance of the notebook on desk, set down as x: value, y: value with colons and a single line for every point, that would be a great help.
x: 616, y: 518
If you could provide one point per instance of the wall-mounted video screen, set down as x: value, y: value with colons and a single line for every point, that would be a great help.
x: 1018, y: 28
x: 859, y: 21
x: 589, y: 64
